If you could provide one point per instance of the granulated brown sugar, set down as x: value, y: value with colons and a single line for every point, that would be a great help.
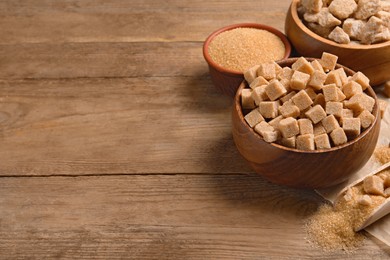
x: 332, y: 227
x: 242, y: 48
x: 382, y: 154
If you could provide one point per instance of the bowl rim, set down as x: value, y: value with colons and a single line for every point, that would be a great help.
x: 268, y: 28
x: 370, y: 90
x: 298, y: 21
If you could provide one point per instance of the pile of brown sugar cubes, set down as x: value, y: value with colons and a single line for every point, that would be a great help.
x: 309, y: 106
x: 343, y: 21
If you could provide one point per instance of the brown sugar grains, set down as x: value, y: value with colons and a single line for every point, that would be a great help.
x: 382, y: 154
x: 241, y: 48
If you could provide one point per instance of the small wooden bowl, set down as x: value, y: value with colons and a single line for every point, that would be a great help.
x: 303, y: 169
x: 227, y: 81
x: 373, y: 60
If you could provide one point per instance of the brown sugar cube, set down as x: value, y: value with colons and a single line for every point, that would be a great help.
x: 373, y: 31
x: 328, y: 61
x: 305, y: 126
x: 288, y: 142
x: 386, y: 89
x: 340, y: 95
x: 334, y: 108
x: 254, y: 117
x: 275, y: 90
x: 287, y: 97
x: 363, y: 100
x: 313, y: 6
x: 303, y: 65
x: 305, y: 142
x: 367, y: 8
x: 361, y: 79
x: 303, y: 112
x: 387, y: 192
x: 262, y: 127
x: 317, y: 65
x: 299, y: 80
x: 312, y: 94
x: 342, y: 75
x: 353, y: 27
x: 259, y: 95
x: 326, y: 19
x: 270, y: 136
x: 302, y: 100
x: 317, y: 79
x: 275, y: 122
x: 385, y: 6
x: 351, y: 88
x: 333, y: 77
x: 385, y: 17
x: 247, y: 101
x: 251, y: 74
x: 288, y: 109
x: 259, y: 81
x: 342, y: 9
x: 289, y: 127
x: 351, y: 127
x: 316, y: 114
x: 338, y: 136
x: 319, y: 129
x: 364, y: 200
x: 382, y: 104
x: 319, y: 100
x: 269, y: 109
x: 322, y: 141
x: 278, y: 69
x: 366, y: 119
x: 386, y: 181
x: 330, y: 123
x: 345, y: 113
x: 285, y: 73
x: 330, y: 92
x: 373, y: 185
x: 318, y: 29
x: 338, y: 35
x: 267, y: 70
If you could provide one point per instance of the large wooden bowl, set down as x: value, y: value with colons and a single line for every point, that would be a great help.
x: 226, y: 80
x: 303, y: 169
x: 373, y: 60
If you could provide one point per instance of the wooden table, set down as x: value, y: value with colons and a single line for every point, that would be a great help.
x: 114, y: 143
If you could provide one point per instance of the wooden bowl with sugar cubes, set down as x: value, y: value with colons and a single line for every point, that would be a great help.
x: 358, y: 33
x: 305, y: 122
x: 232, y: 49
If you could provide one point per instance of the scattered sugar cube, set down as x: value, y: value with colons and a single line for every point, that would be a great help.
x: 317, y: 79
x: 366, y: 119
x: 262, y: 127
x: 338, y: 35
x: 322, y: 141
x: 267, y: 70
x: 302, y: 100
x: 305, y: 142
x: 319, y: 100
x: 351, y: 88
x: 288, y: 96
x: 288, y: 142
x: 247, y: 101
x: 299, y: 80
x: 330, y: 123
x: 269, y: 109
x: 289, y: 109
x: 289, y: 127
x: 328, y: 61
x: 317, y: 65
x: 373, y: 185
x: 275, y: 90
x: 254, y: 117
x: 259, y: 81
x: 270, y: 136
x: 316, y: 114
x: 342, y: 9
x: 330, y: 92
x: 305, y: 126
x: 338, y: 136
x: 382, y: 107
x: 259, y: 95
x: 251, y: 74
x: 351, y: 127
x: 361, y: 79
x: 367, y: 8
x: 386, y: 89
x: 364, y: 200
x: 334, y: 108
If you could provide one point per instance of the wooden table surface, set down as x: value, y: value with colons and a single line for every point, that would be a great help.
x: 114, y: 143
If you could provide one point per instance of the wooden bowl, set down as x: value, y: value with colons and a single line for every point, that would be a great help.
x: 303, y: 169
x: 373, y: 60
x: 225, y: 80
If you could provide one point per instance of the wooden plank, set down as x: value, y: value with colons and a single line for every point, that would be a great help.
x: 127, y: 21
x: 110, y: 126
x: 165, y: 217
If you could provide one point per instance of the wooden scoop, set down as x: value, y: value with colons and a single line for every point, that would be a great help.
x: 381, y: 210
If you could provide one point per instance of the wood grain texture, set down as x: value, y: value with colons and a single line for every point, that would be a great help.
x: 180, y: 217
